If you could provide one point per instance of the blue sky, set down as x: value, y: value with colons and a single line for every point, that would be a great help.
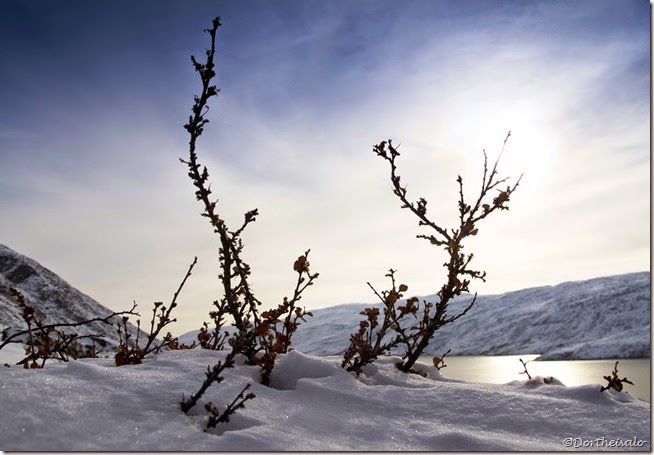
x: 95, y: 95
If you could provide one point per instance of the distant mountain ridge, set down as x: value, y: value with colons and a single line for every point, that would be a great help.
x: 605, y: 317
x: 53, y: 299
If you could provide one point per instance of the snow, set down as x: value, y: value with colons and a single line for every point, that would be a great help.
x: 312, y: 405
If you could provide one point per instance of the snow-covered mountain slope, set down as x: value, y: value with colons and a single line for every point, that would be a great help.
x: 53, y: 299
x: 599, y: 318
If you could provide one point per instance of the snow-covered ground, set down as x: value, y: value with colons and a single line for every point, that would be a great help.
x: 313, y: 404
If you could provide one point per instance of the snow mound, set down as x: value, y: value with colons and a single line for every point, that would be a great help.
x: 296, y: 366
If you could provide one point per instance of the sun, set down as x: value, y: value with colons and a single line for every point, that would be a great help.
x: 529, y: 150
x: 531, y: 147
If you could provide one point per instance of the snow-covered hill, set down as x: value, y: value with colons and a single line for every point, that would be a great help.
x: 53, y: 299
x: 599, y: 318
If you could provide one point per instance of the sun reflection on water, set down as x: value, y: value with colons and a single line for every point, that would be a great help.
x: 503, y: 369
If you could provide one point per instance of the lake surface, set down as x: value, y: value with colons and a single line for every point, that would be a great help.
x: 503, y: 369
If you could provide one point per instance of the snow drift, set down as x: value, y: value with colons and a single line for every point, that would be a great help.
x: 313, y: 405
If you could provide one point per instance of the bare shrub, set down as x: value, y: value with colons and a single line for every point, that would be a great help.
x: 614, y: 382
x: 50, y: 341
x: 258, y: 335
x: 371, y: 340
x: 131, y: 353
x: 524, y: 365
x: 256, y: 330
x: 216, y: 416
x: 414, y: 325
x: 439, y: 362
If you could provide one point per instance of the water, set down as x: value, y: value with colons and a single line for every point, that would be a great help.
x: 502, y: 369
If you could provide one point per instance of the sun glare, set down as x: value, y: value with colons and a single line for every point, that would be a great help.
x: 530, y: 148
